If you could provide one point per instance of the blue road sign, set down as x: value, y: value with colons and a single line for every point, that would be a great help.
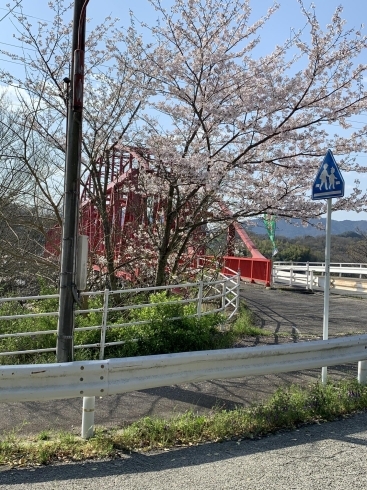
x: 329, y: 181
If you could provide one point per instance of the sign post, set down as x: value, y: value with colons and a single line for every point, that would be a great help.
x: 328, y: 183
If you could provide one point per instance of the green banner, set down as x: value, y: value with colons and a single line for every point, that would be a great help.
x: 270, y: 225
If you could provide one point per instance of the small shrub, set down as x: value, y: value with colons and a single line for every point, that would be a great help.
x: 172, y: 328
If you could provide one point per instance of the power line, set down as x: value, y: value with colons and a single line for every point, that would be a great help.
x: 14, y: 62
x: 11, y: 10
x: 17, y: 46
x: 21, y: 13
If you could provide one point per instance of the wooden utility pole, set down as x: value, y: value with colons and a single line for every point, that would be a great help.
x: 68, y: 289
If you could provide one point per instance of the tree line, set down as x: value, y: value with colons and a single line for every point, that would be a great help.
x: 347, y: 247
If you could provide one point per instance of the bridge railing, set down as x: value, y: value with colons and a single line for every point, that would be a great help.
x: 249, y: 268
x: 345, y: 278
x: 221, y: 294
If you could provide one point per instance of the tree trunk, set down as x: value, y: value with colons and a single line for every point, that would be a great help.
x: 164, y: 249
x: 160, y: 279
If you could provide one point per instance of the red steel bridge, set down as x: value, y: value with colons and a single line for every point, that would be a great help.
x: 115, y: 177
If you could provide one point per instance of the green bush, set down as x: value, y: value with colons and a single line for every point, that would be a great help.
x: 172, y: 328
x: 38, y: 324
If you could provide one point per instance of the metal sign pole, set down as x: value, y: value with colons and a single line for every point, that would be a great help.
x: 328, y: 183
x: 325, y: 332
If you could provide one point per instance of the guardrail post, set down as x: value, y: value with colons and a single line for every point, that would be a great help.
x: 362, y: 372
x: 200, y: 298
x: 104, y: 323
x: 88, y: 416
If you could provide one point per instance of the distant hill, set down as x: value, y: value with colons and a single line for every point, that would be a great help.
x: 296, y: 229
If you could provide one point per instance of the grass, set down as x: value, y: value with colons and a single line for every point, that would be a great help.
x: 245, y: 325
x: 288, y: 408
x: 159, y: 335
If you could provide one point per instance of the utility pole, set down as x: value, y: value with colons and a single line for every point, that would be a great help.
x: 68, y: 289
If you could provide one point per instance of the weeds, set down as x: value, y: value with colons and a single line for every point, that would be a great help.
x: 44, y: 435
x: 288, y: 408
x: 245, y: 325
x: 167, y: 327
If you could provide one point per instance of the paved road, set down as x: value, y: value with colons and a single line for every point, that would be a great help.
x: 277, y: 310
x: 332, y: 456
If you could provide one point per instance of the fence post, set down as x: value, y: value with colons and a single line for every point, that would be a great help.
x: 238, y: 291
x: 104, y: 323
x: 307, y: 274
x: 269, y: 274
x: 88, y: 416
x: 200, y: 298
x: 362, y: 372
x: 311, y: 279
x: 290, y: 275
x: 224, y: 292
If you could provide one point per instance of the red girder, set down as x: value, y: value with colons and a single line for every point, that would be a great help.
x: 111, y: 187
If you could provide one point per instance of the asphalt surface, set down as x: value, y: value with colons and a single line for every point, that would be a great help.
x: 315, y: 457
x: 282, y: 312
x: 279, y: 310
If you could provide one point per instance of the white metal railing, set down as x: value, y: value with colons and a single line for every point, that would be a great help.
x: 229, y: 288
x: 348, y: 278
x: 83, y: 378
x: 224, y: 291
x: 102, y: 378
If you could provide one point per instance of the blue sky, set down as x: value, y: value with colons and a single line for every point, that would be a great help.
x: 276, y: 31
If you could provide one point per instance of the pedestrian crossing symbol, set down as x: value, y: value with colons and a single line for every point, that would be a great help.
x: 329, y: 182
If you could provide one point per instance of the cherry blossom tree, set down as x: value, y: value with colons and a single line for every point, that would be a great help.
x: 114, y: 95
x: 234, y: 134
x: 245, y: 132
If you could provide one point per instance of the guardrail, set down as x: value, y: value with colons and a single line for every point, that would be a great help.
x: 102, y: 378
x: 345, y: 278
x: 223, y: 291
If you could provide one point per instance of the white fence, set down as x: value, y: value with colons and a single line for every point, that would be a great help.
x: 222, y: 294
x: 345, y: 278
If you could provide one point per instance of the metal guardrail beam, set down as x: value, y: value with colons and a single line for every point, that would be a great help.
x: 102, y: 378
